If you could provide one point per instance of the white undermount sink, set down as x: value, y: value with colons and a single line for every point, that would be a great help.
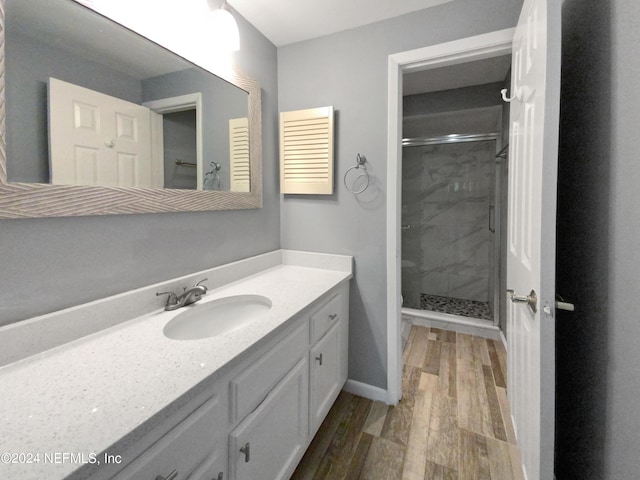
x: 217, y: 317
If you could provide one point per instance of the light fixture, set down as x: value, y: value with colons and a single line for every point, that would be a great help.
x: 225, y: 28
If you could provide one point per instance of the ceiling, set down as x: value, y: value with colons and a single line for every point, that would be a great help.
x: 289, y: 21
x: 460, y: 75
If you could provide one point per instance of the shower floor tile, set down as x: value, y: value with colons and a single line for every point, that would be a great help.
x: 456, y: 306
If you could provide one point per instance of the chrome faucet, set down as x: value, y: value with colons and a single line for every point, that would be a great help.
x: 189, y: 296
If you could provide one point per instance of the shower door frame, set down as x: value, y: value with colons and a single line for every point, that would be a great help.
x: 497, y: 201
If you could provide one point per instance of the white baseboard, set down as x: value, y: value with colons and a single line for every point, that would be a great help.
x: 365, y: 390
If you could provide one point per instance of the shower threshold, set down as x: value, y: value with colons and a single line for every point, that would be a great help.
x: 447, y: 321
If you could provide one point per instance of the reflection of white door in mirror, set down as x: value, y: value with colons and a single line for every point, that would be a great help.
x: 97, y: 139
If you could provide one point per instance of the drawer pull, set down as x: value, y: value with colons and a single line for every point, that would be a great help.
x: 319, y: 359
x: 171, y: 476
x: 247, y: 452
x: 333, y: 316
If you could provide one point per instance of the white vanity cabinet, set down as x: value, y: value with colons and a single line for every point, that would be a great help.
x: 327, y: 357
x: 262, y: 413
x: 268, y: 443
x: 138, y: 404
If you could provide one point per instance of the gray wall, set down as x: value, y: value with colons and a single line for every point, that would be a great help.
x: 476, y: 96
x: 49, y: 264
x: 29, y: 64
x: 349, y: 71
x: 598, y: 379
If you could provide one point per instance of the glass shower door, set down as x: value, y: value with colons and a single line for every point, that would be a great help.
x: 448, y: 194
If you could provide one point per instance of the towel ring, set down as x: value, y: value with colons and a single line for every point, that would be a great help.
x: 360, y: 162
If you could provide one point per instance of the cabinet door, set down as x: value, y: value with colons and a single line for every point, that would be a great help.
x: 183, y: 448
x: 326, y: 374
x: 268, y: 444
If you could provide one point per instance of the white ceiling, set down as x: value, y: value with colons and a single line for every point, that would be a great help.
x: 289, y: 21
x: 123, y: 51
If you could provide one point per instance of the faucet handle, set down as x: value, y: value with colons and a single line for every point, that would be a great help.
x: 172, y: 298
x: 203, y: 286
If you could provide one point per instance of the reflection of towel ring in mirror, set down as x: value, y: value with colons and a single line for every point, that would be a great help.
x: 360, y: 162
x: 212, y: 178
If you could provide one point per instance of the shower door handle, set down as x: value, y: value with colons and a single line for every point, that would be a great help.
x: 492, y: 215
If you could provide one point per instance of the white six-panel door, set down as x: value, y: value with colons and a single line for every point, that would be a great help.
x: 97, y: 139
x: 531, y: 232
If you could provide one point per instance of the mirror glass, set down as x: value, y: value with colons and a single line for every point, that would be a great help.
x: 89, y: 102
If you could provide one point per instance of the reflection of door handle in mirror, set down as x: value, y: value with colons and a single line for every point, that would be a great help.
x: 531, y: 299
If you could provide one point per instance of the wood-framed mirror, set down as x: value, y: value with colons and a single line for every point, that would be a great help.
x: 25, y: 195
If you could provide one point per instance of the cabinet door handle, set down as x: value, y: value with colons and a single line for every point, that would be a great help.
x: 171, y: 476
x: 247, y: 452
x: 220, y: 476
x: 319, y: 359
x: 333, y: 316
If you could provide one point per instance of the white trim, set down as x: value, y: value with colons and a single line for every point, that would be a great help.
x: 181, y: 103
x: 459, y: 51
x: 454, y: 323
x: 504, y: 340
x: 365, y: 390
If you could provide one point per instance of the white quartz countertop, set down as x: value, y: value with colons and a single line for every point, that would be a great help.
x: 83, y: 397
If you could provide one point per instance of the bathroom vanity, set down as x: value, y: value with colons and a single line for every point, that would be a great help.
x: 127, y: 402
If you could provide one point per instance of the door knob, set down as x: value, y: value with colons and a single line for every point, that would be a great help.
x: 531, y: 299
x: 562, y: 305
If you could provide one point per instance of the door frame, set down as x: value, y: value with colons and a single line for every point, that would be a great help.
x: 180, y: 103
x: 468, y: 49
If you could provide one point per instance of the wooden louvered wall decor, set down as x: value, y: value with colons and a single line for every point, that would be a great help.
x: 306, y: 151
x: 240, y: 168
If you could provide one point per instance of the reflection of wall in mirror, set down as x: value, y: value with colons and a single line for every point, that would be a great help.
x: 28, y: 67
x: 221, y: 101
x: 30, y: 63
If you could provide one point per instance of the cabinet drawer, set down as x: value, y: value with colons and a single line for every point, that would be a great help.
x: 213, y: 468
x: 182, y: 449
x: 250, y: 387
x: 327, y: 315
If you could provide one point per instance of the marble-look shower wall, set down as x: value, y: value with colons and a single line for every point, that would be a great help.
x: 447, y: 192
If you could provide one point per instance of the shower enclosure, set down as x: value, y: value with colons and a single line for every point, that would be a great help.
x: 450, y: 216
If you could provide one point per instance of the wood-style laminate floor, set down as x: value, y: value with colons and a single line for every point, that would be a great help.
x: 453, y: 422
